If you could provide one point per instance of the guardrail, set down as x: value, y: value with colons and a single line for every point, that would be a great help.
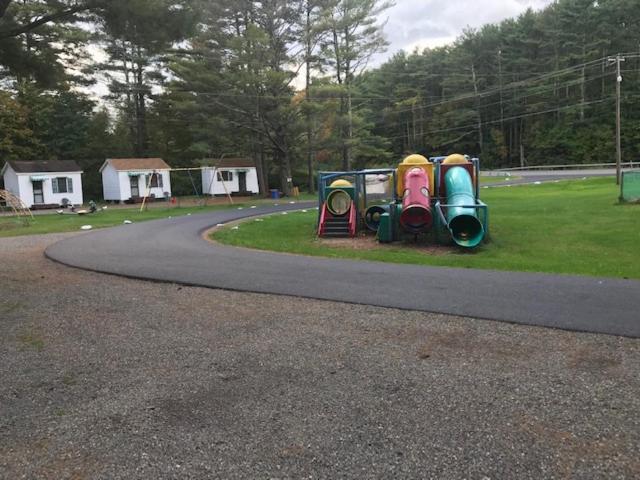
x: 581, y: 166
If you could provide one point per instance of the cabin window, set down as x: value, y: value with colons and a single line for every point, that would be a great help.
x: 62, y: 185
x: 225, y: 176
x: 156, y: 181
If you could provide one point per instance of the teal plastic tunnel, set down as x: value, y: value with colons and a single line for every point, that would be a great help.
x: 372, y: 216
x: 465, y: 227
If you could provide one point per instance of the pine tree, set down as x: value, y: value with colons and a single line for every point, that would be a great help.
x: 355, y: 36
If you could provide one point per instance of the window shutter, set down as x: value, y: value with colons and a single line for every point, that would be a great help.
x: 160, y: 184
x: 54, y: 185
x: 70, y: 185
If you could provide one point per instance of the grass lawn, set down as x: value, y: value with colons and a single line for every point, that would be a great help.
x: 53, y: 223
x: 573, y: 227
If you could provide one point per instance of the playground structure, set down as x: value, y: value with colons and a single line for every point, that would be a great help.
x: 17, y: 206
x: 437, y: 197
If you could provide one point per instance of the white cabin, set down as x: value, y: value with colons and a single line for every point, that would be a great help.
x: 128, y: 179
x: 44, y: 183
x: 231, y: 176
x: 379, y: 184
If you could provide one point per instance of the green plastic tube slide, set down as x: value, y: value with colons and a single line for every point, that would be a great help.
x: 463, y: 223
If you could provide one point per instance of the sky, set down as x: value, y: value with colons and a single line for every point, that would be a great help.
x: 412, y: 24
x: 433, y: 23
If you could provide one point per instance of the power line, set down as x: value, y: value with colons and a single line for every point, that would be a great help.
x: 506, y: 102
x: 513, y: 85
x: 515, y: 117
x: 466, y: 96
x: 512, y: 102
x: 451, y: 129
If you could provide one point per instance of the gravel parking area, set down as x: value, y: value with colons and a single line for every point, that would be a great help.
x: 105, y: 377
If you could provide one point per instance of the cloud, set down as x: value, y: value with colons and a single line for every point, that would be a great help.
x: 433, y: 23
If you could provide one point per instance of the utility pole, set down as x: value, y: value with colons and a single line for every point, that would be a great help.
x: 500, y: 82
x: 618, y: 60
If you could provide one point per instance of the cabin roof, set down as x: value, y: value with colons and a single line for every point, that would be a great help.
x: 124, y: 164
x: 44, y: 166
x: 233, y: 163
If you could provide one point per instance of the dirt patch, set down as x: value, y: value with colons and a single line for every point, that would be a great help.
x: 467, y: 343
x: 10, y: 225
x: 593, y: 361
x: 369, y: 242
x: 573, y: 449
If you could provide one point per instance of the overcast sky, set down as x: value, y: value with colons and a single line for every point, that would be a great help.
x: 433, y: 23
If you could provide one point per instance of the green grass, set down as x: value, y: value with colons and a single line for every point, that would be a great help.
x: 568, y: 228
x: 53, y: 223
x: 11, y: 227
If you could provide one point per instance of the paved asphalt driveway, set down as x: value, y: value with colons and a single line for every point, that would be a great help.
x: 173, y: 250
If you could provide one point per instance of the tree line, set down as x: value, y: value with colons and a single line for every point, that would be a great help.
x: 288, y: 84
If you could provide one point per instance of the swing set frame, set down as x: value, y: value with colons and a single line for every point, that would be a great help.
x: 195, y: 189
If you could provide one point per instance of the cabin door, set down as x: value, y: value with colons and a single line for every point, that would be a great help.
x: 135, y: 188
x: 38, y: 192
x: 242, y: 182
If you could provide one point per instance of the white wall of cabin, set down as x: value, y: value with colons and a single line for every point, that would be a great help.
x: 111, y: 188
x: 218, y: 187
x: 124, y: 184
x: 11, y: 181
x: 20, y: 185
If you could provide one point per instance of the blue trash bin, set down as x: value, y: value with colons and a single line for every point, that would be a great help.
x: 275, y: 194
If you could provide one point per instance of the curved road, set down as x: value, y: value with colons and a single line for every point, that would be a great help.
x: 525, y: 177
x: 173, y: 250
